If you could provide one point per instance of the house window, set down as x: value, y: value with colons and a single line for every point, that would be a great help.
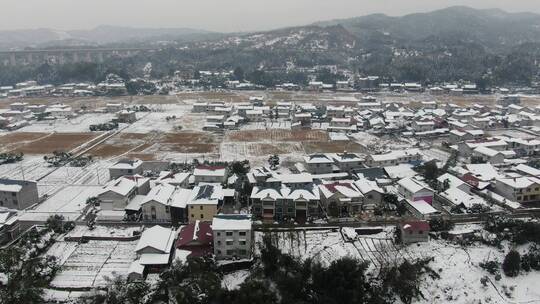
x: 201, y: 207
x: 228, y: 233
x: 218, y: 234
x: 219, y: 252
x: 167, y: 209
x: 202, y: 215
x: 15, y: 202
x: 230, y: 252
x: 229, y: 243
x: 242, y: 252
x: 192, y: 206
x: 192, y: 215
x: 243, y: 243
x: 242, y: 233
x: 153, y: 212
x: 219, y: 242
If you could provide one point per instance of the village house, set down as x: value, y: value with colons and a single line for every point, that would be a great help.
x: 393, y: 158
x: 210, y: 174
x: 319, y: 164
x: 126, y: 167
x: 524, y: 147
x: 154, y: 248
x: 126, y: 116
x: 457, y: 136
x: 488, y: 155
x: 413, y: 190
x: 342, y: 125
x: 179, y: 179
x: 341, y: 199
x: 18, y: 194
x: 521, y: 189
x: 302, y: 120
x: 347, y: 161
x: 371, y: 192
x: 335, y: 111
x: 117, y: 193
x: 414, y: 232
x: 197, y: 238
x: 466, y: 148
x: 232, y: 235
x: 156, y: 207
x: 204, y: 202
x: 282, y: 202
x: 423, y: 126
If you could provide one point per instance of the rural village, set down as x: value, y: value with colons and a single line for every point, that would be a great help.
x: 129, y: 185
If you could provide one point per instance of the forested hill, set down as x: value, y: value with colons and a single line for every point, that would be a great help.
x: 484, y: 46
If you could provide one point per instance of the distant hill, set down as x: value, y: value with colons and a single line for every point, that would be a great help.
x: 491, y: 27
x: 100, y: 35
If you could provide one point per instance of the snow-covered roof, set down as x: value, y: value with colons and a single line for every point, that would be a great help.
x: 161, y: 193
x: 458, y: 197
x: 209, y: 171
x: 157, y: 237
x: 231, y: 222
x: 127, y: 164
x: 412, y: 185
x: 528, y: 170
x: 345, y: 189
x: 318, y: 159
x: 423, y: 208
x: 365, y: 186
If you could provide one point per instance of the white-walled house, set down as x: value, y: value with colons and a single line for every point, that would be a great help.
x: 232, y: 236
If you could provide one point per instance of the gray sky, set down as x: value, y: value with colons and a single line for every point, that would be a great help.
x: 217, y: 15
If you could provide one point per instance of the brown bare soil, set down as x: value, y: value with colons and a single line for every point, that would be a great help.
x: 12, y: 141
x: 188, y: 142
x: 44, y: 143
x: 277, y: 135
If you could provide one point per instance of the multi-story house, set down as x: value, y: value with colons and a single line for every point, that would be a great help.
x: 18, y: 194
x: 232, y: 236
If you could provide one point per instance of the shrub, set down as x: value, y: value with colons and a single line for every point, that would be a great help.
x: 511, y: 264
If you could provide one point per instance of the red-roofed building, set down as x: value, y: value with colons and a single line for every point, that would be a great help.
x: 197, y: 238
x: 414, y: 231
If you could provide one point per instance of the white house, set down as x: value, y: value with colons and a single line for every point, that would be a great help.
x: 232, y: 236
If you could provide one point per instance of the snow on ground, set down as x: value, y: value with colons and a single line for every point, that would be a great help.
x: 88, y: 264
x: 103, y: 231
x: 460, y: 276
x: 457, y: 266
x: 328, y: 245
x: 70, y: 199
x: 78, y: 124
x: 156, y: 121
x: 234, y: 279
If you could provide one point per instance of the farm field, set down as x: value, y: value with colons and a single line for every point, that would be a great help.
x: 458, y: 266
x: 86, y: 265
x: 43, y: 143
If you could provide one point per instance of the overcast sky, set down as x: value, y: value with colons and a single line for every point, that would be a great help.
x: 217, y: 15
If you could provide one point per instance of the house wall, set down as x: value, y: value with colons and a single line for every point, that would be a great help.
x: 23, y: 199
x: 320, y: 168
x: 161, y: 213
x: 230, y: 244
x: 201, y: 212
x: 210, y: 179
x: 111, y: 200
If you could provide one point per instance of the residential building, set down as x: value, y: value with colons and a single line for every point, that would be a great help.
x: 18, y: 194
x: 210, y: 174
x: 232, y: 234
x: 126, y: 167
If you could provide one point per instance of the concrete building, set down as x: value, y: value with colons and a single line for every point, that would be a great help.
x: 126, y: 167
x: 18, y: 194
x: 232, y: 236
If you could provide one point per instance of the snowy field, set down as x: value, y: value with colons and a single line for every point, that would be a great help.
x: 88, y: 265
x: 78, y: 124
x: 458, y: 266
x: 157, y: 122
